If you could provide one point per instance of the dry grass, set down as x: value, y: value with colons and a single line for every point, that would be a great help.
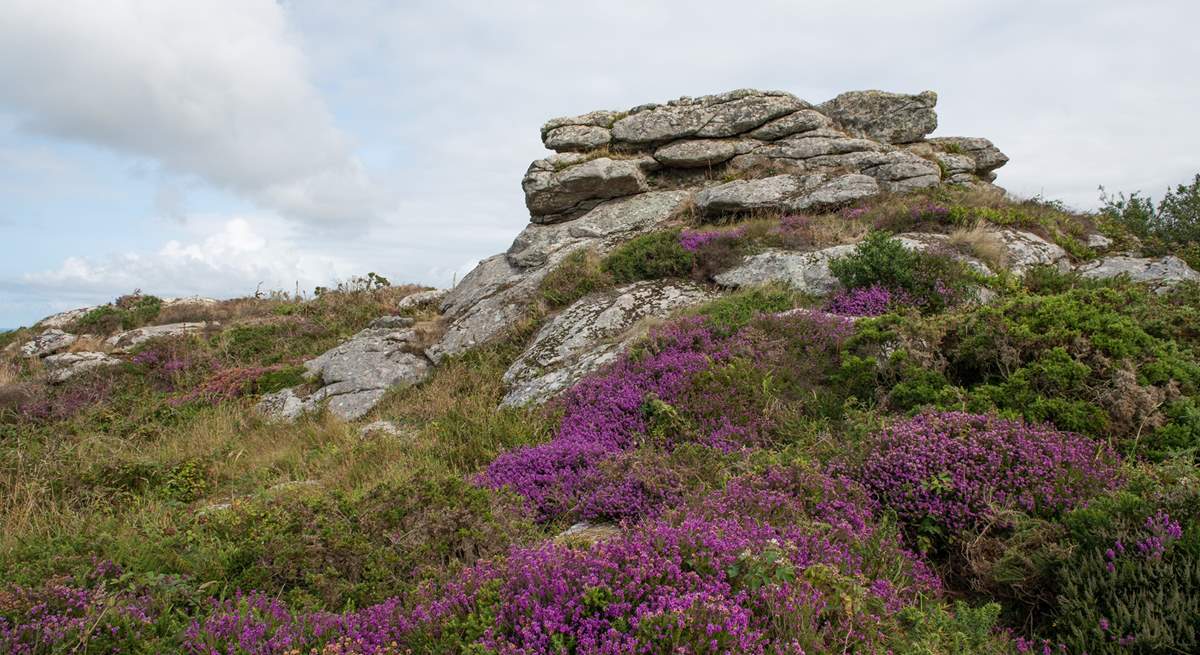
x: 982, y: 243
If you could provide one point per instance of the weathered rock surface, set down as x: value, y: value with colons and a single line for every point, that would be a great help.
x: 618, y: 174
x: 421, y: 299
x: 63, y: 319
x: 1160, y: 273
x: 65, y: 366
x: 553, y: 194
x: 784, y: 193
x: 283, y: 405
x: 882, y: 116
x: 47, y: 343
x: 591, y: 333
x: 702, y: 152
x: 123, y: 341
x: 1025, y: 249
x: 357, y: 373
x: 495, y: 295
x: 807, y: 272
x: 726, y: 114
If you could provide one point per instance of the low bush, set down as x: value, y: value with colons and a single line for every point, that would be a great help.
x: 933, y: 281
x: 947, y: 473
x: 649, y: 257
x: 578, y: 274
x: 1171, y: 226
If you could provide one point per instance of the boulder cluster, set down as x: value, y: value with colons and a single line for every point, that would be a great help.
x: 616, y: 175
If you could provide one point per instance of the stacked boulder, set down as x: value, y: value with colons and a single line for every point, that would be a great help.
x: 615, y: 175
x: 619, y: 174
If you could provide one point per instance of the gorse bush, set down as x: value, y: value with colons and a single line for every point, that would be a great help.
x: 1171, y: 226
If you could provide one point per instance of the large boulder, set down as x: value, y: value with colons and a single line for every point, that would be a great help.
x: 1159, y: 273
x: 65, y: 366
x: 883, y: 116
x: 727, y: 114
x: 127, y: 340
x: 496, y: 295
x: 591, y: 333
x: 1023, y: 250
x: 358, y: 372
x: 64, y: 319
x: 579, y: 133
x: 983, y: 154
x: 694, y: 153
x: 807, y: 272
x: 47, y: 343
x: 553, y: 194
x: 784, y: 193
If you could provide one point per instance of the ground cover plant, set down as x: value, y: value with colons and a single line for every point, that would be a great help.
x: 898, y: 467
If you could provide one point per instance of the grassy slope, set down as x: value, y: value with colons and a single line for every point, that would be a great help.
x: 117, y: 468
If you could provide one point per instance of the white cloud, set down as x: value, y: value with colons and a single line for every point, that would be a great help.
x: 230, y: 256
x: 216, y: 89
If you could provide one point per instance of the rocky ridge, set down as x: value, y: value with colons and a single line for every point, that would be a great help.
x: 616, y: 175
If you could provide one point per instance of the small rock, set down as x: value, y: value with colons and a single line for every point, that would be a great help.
x: 392, y: 322
x: 1159, y: 273
x: 380, y: 428
x: 586, y: 533
x: 48, y: 342
x: 65, y: 366
x: 282, y: 405
x: 123, y: 341
x: 1098, y: 242
x: 421, y: 298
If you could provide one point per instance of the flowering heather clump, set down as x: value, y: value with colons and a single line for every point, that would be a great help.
x: 80, y: 393
x: 929, y: 211
x: 703, y: 581
x: 44, y: 619
x: 952, y: 468
x: 604, y: 416
x: 874, y: 300
x: 226, y: 384
x: 695, y: 240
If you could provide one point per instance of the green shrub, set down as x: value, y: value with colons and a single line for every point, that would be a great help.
x: 1173, y: 226
x: 277, y: 380
x: 934, y: 280
x: 733, y: 312
x: 352, y: 550
x: 578, y: 274
x: 649, y: 257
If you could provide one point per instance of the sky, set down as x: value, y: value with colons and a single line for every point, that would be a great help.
x: 216, y: 147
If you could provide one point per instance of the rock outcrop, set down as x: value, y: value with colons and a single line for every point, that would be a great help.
x: 618, y: 174
x: 591, y: 333
x: 1160, y: 273
x: 65, y: 366
x: 356, y: 374
x: 127, y: 340
x: 47, y: 343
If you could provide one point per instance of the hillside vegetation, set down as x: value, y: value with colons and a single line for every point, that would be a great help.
x: 935, y: 459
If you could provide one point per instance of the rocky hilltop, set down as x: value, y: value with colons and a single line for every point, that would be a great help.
x: 759, y: 376
x: 617, y: 175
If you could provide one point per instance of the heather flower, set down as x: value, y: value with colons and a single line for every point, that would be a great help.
x: 954, y: 468
x: 874, y: 300
x: 695, y: 240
